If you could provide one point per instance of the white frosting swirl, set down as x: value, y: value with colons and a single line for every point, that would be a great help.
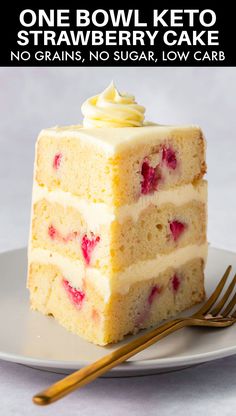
x: 112, y: 109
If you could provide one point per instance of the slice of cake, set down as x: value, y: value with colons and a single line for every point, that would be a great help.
x: 118, y: 232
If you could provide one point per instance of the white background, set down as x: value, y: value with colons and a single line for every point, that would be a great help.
x: 35, y: 98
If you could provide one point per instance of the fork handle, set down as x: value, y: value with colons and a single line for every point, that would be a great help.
x: 89, y: 373
x: 92, y: 371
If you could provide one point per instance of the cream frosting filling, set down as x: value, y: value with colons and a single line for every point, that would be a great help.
x: 178, y: 196
x: 94, y: 214
x: 147, y: 269
x: 97, y: 214
x: 75, y: 271
x: 72, y: 270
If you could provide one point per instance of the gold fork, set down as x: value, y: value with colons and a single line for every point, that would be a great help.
x: 211, y: 314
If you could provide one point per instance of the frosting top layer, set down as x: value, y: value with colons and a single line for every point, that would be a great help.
x: 122, y: 138
x: 112, y: 109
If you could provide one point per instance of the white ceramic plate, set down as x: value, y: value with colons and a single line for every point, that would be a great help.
x: 32, y: 339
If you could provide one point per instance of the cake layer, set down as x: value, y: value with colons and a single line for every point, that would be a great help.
x: 147, y: 303
x: 77, y: 273
x: 118, y: 168
x: 159, y: 229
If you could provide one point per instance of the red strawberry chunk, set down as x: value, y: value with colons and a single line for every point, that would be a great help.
x: 76, y: 296
x: 169, y: 157
x: 155, y: 290
x: 88, y: 245
x: 177, y: 228
x: 57, y: 160
x: 52, y: 232
x: 151, y: 177
x: 175, y: 283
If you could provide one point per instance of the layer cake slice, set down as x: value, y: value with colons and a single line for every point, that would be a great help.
x: 118, y: 230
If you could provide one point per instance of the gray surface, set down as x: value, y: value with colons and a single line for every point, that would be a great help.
x: 34, y: 98
x: 206, y: 389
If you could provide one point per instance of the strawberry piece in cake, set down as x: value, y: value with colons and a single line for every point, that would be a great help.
x: 57, y: 160
x: 88, y: 245
x: 75, y: 295
x: 175, y: 283
x: 169, y: 157
x: 151, y: 177
x: 177, y: 228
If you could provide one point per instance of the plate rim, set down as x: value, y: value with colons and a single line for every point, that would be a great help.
x: 135, y: 365
x: 154, y: 363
